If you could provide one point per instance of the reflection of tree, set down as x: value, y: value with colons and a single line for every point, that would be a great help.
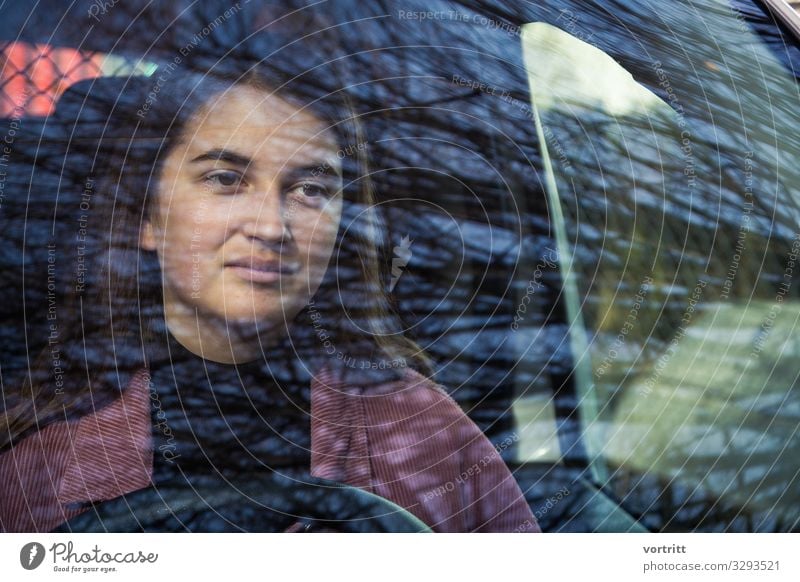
x: 682, y: 196
x: 473, y: 154
x: 714, y: 422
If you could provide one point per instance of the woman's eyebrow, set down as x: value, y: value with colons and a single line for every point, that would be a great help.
x: 223, y: 155
x: 321, y: 168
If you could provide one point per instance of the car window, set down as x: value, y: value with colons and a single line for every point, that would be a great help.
x: 590, y: 210
x: 675, y: 210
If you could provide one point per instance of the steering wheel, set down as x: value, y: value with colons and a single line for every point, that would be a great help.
x: 257, y: 503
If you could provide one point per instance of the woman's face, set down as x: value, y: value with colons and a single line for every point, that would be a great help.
x: 245, y: 219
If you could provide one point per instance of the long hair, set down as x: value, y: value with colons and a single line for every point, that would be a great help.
x: 122, y: 131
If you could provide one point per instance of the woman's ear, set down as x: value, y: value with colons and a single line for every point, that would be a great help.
x: 147, y: 236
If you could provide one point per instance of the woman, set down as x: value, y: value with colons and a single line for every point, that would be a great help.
x: 235, y: 321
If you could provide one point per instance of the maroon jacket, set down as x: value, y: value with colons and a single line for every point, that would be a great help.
x: 407, y: 441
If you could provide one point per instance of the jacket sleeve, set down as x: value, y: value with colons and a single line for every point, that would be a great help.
x: 30, y: 475
x: 428, y: 456
x: 409, y: 442
x: 492, y: 499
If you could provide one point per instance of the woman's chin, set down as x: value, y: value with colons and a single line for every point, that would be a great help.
x: 260, y: 321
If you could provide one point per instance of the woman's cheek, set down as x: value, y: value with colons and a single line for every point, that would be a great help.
x: 318, y: 252
x: 185, y: 275
x: 185, y: 245
x: 318, y: 230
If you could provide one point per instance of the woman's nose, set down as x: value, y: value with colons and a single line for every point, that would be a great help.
x: 265, y: 217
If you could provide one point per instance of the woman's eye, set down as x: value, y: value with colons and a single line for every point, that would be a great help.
x: 225, y: 178
x: 311, y: 190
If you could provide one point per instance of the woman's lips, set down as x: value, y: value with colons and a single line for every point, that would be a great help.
x: 261, y: 271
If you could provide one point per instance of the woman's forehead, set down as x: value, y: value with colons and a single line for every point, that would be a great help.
x: 259, y: 123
